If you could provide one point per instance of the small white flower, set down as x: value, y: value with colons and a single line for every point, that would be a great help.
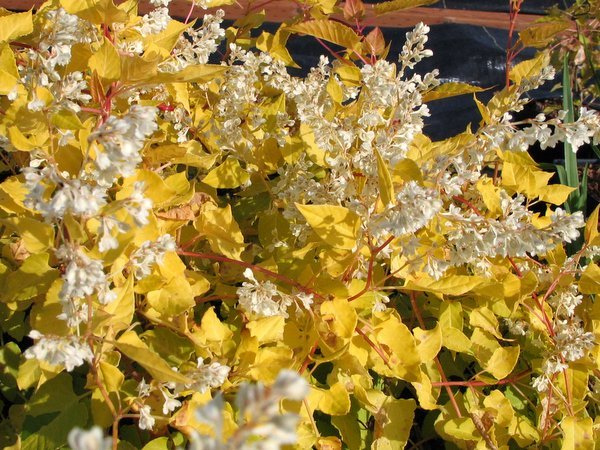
x: 262, y: 299
x: 151, y: 253
x: 290, y: 385
x: 67, y: 351
x: 154, y: 22
x: 144, y: 389
x: 540, y: 383
x: 92, y: 439
x: 171, y: 403
x: 146, y: 421
x: 36, y: 105
x: 208, y: 376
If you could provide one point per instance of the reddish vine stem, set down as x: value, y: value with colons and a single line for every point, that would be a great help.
x: 308, y: 358
x: 477, y: 383
x: 417, y: 311
x: 514, y: 266
x: 511, y: 52
x: 268, y: 272
x: 463, y: 200
x: 374, y: 346
x: 374, y: 252
x: 333, y: 53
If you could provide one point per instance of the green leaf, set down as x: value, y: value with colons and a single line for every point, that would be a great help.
x: 175, y: 349
x: 13, y: 26
x: 335, y: 225
x: 396, y: 5
x: 570, y: 157
x: 132, y: 346
x: 161, y: 443
x: 54, y: 434
x: 330, y: 31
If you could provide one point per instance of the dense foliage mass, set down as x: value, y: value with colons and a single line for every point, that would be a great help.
x: 202, y: 250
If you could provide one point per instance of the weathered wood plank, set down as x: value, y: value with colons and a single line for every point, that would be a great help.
x: 280, y: 10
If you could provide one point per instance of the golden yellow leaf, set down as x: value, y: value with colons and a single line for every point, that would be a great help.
x: 222, y: 231
x: 134, y: 348
x: 577, y: 433
x: 228, y: 175
x: 335, y: 225
x: 106, y: 62
x: 15, y: 25
x: 328, y: 30
x: 396, y: 5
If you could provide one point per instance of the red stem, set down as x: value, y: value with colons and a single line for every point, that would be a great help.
x: 477, y: 383
x: 268, y: 272
x: 187, y: 18
x: 374, y: 252
x: 463, y: 200
x: 417, y: 311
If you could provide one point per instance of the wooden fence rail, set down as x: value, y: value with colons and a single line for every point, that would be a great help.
x: 280, y: 10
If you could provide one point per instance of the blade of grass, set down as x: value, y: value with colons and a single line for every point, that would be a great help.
x: 572, y: 177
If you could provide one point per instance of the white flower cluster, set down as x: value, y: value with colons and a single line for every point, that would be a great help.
x: 262, y: 298
x: 83, y: 276
x: 155, y: 21
x: 570, y: 341
x: 414, y: 49
x: 196, y: 45
x: 204, y: 376
x: 390, y: 113
x: 261, y: 425
x: 548, y: 132
x: 473, y: 238
x: 207, y: 376
x: 69, y: 196
x: 122, y: 139
x: 146, y: 420
x: 150, y: 253
x: 415, y: 207
x: 66, y: 351
x: 59, y: 32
